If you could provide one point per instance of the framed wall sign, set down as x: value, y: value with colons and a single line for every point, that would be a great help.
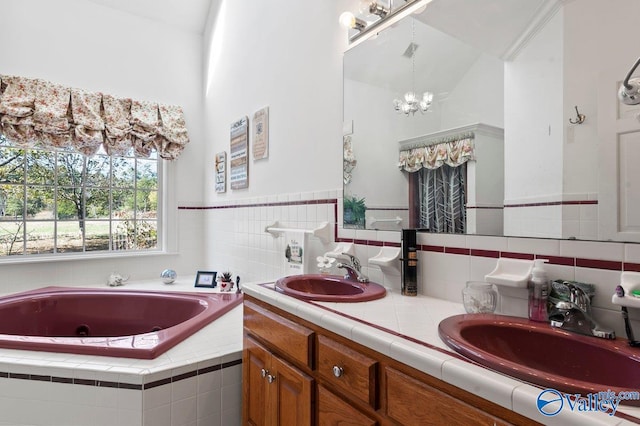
x: 221, y: 172
x: 239, y: 154
x: 260, y: 134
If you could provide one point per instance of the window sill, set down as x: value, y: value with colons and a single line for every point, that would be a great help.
x: 74, y: 257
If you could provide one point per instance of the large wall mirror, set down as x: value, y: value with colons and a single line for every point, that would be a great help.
x: 533, y: 84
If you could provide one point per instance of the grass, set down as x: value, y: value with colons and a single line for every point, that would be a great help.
x: 40, y: 236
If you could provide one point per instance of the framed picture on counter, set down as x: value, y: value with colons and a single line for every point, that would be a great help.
x: 206, y: 279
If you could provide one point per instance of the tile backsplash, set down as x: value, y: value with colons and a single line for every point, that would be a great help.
x: 238, y: 242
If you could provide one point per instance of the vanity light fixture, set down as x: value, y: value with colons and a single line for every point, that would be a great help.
x: 383, y: 17
x: 629, y: 92
x: 410, y: 102
x: 369, y: 7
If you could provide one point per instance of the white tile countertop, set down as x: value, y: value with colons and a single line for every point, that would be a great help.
x: 406, y: 329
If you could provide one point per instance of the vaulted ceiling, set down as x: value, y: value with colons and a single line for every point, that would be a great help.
x: 186, y: 15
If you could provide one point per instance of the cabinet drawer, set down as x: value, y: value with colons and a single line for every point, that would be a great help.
x: 290, y: 339
x: 412, y: 402
x: 332, y: 410
x: 347, y: 369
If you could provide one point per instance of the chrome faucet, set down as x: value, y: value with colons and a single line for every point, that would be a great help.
x: 575, y: 315
x: 352, y: 269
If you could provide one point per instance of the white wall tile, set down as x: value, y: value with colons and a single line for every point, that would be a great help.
x: 534, y: 246
x: 184, y: 411
x: 632, y: 253
x: 209, y: 404
x: 158, y: 416
x: 592, y: 250
x: 443, y: 275
x: 605, y: 282
x: 487, y: 243
x: 156, y: 397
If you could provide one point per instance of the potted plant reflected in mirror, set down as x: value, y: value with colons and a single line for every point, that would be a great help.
x: 354, y: 211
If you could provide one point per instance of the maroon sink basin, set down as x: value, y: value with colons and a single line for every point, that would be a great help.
x: 545, y: 356
x: 329, y: 288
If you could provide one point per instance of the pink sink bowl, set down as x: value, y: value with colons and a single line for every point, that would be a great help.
x: 329, y: 288
x: 542, y: 355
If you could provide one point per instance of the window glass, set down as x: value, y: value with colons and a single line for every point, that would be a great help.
x: 65, y: 202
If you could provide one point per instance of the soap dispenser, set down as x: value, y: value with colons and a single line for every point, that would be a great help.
x: 538, y: 292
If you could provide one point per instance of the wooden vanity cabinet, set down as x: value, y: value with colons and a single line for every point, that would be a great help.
x: 321, y: 378
x: 277, y: 392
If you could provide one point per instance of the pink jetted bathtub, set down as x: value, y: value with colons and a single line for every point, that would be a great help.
x: 118, y: 323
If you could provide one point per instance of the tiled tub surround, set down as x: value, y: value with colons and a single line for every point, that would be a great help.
x: 197, y: 382
x: 405, y: 329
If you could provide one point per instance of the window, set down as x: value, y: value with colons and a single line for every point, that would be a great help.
x: 64, y: 202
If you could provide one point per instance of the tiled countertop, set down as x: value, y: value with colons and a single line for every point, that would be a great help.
x: 406, y: 329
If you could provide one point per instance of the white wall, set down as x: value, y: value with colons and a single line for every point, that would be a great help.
x: 85, y: 45
x: 288, y: 56
x: 534, y: 134
x: 478, y: 97
x: 589, y: 55
x: 376, y: 133
x: 533, y: 116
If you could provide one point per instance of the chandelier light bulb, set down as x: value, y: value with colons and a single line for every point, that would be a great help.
x: 410, y: 97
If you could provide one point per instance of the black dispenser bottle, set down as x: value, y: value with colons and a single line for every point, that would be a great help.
x: 409, y: 277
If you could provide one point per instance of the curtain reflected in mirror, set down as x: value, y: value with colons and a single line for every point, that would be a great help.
x: 443, y: 199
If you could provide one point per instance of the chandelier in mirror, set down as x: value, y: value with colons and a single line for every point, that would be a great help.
x: 411, y: 103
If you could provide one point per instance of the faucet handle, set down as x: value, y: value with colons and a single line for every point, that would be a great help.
x: 355, y: 262
x: 578, y: 296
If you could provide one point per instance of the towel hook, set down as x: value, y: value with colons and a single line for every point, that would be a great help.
x: 579, y: 117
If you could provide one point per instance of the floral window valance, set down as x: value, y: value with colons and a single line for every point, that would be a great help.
x: 453, y: 153
x: 35, y: 112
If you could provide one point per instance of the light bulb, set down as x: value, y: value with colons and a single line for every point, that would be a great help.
x: 410, y: 97
x: 365, y: 7
x: 347, y: 19
x: 397, y: 104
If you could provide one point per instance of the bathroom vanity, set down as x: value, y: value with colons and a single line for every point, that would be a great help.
x: 323, y: 363
x: 296, y: 372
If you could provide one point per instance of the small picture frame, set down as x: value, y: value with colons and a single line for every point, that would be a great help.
x: 206, y: 279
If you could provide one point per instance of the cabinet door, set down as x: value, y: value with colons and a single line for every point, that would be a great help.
x: 255, y: 363
x: 333, y: 411
x: 291, y: 393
